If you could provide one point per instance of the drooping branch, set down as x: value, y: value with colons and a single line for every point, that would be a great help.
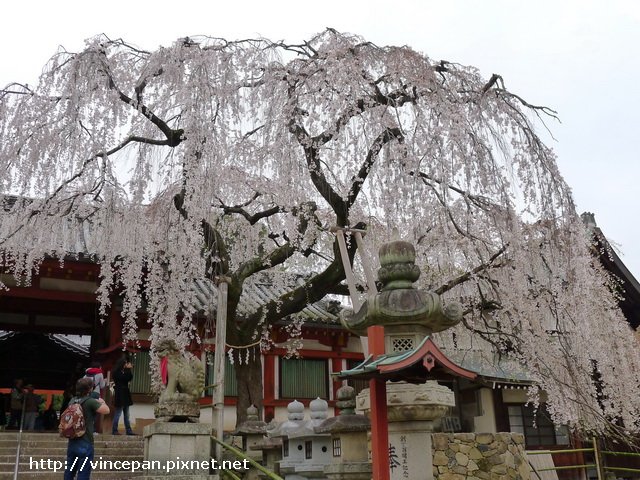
x: 312, y: 155
x: 356, y: 183
x: 174, y: 136
x: 394, y: 99
x: 313, y: 290
x: 251, y: 218
x: 81, y: 171
x: 479, y: 201
x: 490, y: 263
x: 280, y: 254
x: 214, y: 245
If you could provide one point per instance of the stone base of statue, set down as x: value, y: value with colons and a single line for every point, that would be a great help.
x: 188, y: 445
x: 177, y: 411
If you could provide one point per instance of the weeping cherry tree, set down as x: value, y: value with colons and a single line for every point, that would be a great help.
x: 213, y: 157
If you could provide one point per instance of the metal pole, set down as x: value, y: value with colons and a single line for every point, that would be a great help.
x: 218, y: 365
x: 15, y: 469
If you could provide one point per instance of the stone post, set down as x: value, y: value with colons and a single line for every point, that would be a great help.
x: 412, y: 410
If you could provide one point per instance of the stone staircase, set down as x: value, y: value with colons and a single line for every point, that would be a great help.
x: 50, y: 446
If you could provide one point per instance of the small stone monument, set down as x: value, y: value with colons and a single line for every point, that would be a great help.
x: 176, y: 432
x: 304, y: 452
x: 348, y: 440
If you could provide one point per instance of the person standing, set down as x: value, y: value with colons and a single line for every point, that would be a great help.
x: 94, y: 372
x: 122, y: 374
x: 32, y: 403
x: 80, y: 450
x: 3, y: 416
x: 17, y: 395
x: 50, y: 418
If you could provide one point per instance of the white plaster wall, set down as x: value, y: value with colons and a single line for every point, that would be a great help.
x: 354, y: 345
x: 485, y: 423
x: 514, y: 396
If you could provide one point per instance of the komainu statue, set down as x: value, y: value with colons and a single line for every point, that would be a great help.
x: 183, y: 379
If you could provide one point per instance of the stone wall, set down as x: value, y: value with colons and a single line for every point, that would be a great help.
x: 483, y: 456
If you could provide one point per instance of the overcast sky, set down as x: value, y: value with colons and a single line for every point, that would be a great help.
x: 581, y: 58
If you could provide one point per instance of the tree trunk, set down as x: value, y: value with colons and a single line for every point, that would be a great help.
x: 249, y: 378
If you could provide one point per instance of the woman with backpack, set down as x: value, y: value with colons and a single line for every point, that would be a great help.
x: 122, y: 375
x: 78, y: 426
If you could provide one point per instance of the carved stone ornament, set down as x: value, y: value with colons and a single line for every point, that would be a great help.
x: 183, y: 378
x: 410, y: 402
x: 403, y: 310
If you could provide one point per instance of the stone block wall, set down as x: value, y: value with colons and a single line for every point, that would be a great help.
x: 479, y: 456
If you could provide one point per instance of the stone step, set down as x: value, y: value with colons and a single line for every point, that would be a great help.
x: 43, y: 451
x: 45, y: 446
x: 55, y: 436
x: 99, y: 443
x: 62, y: 455
x: 98, y: 475
x: 52, y: 441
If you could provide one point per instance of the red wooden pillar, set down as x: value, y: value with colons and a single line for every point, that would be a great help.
x: 269, y: 386
x: 115, y: 326
x: 379, y: 424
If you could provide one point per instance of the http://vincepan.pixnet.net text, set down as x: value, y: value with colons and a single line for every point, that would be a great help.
x: 167, y: 466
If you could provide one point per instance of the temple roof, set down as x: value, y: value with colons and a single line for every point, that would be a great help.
x: 48, y: 361
x: 630, y: 291
x: 492, y: 367
x: 76, y: 344
x: 427, y: 361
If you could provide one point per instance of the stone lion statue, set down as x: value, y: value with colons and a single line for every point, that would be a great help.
x: 183, y: 377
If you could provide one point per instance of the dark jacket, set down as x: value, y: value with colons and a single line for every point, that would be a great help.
x: 122, y: 395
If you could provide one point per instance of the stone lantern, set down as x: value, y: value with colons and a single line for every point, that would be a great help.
x: 252, y: 431
x: 348, y: 440
x: 409, y: 316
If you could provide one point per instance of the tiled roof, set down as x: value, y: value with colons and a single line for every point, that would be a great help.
x: 491, y: 366
x: 72, y: 343
x: 261, y: 289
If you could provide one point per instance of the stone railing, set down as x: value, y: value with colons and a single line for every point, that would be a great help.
x: 484, y: 456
